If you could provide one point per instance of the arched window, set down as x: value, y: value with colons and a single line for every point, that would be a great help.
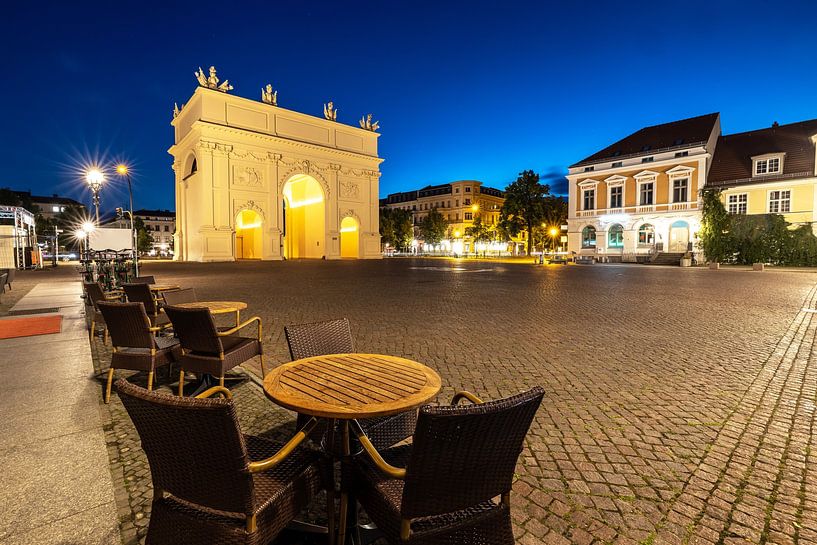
x: 646, y: 234
x: 589, y: 237
x: 615, y: 236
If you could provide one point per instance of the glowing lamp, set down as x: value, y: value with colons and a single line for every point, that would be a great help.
x: 94, y: 177
x: 88, y: 227
x: 121, y: 169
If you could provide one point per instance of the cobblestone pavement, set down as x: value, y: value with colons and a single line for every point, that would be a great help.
x: 679, y: 405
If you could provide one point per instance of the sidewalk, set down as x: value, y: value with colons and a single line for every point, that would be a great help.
x: 56, y: 486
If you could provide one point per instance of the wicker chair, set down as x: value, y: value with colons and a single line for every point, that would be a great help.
x: 205, y: 349
x: 335, y: 337
x: 95, y: 295
x: 206, y: 488
x: 10, y: 274
x: 143, y: 280
x: 3, y: 279
x: 460, y: 459
x: 140, y: 293
x: 135, y: 346
x: 175, y: 297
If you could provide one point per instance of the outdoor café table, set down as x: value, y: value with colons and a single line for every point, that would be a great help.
x: 345, y: 387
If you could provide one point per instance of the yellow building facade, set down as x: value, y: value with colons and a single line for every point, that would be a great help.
x: 769, y: 171
x: 640, y: 196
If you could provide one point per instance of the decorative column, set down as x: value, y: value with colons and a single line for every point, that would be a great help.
x: 333, y: 214
x: 178, y: 236
x: 272, y: 226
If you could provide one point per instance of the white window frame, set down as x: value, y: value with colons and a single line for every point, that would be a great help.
x: 616, y: 181
x: 676, y: 173
x: 646, y: 177
x: 779, y: 201
x: 588, y: 185
x: 686, y: 189
x: 763, y: 161
x: 737, y: 204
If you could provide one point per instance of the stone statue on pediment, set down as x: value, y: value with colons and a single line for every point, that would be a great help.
x: 212, y: 81
x: 269, y: 96
x: 366, y: 123
x: 329, y: 111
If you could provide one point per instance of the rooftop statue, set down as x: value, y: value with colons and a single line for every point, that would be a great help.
x: 176, y: 110
x: 212, y: 81
x: 366, y: 123
x: 329, y: 111
x: 269, y: 96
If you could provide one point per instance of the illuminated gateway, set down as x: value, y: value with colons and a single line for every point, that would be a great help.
x: 256, y: 181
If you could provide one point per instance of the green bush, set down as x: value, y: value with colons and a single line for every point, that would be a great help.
x: 747, y: 239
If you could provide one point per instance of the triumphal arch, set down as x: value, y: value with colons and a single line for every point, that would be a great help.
x: 257, y: 181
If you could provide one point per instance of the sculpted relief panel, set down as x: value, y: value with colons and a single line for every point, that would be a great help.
x: 248, y: 176
x: 349, y: 189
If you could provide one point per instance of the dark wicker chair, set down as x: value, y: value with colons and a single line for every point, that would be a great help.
x: 140, y: 293
x: 143, y: 280
x: 335, y: 337
x: 174, y: 297
x: 206, y: 487
x: 95, y: 295
x: 135, y: 346
x: 3, y: 279
x: 460, y: 459
x: 205, y: 349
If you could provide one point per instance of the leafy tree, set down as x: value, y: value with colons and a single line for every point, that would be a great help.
x: 387, y: 230
x: 396, y: 227
x: 714, y: 235
x: 524, y: 205
x: 144, y: 238
x: 478, y: 231
x: 433, y: 227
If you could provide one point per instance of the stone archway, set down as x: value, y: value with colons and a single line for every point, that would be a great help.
x: 248, y: 234
x: 304, y: 218
x: 349, y: 237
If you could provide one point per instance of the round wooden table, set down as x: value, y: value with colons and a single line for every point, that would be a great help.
x: 346, y: 387
x: 218, y: 307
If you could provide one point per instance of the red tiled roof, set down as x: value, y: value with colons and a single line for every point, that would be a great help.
x: 732, y: 163
x: 678, y: 134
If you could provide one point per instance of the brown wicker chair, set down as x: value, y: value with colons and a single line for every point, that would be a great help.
x: 206, y: 487
x: 205, y: 349
x: 175, y: 297
x: 460, y: 459
x: 335, y: 337
x: 143, y: 280
x: 4, y: 276
x: 95, y: 295
x: 140, y: 293
x: 135, y: 346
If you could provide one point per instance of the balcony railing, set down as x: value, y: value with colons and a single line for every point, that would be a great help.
x: 639, y: 209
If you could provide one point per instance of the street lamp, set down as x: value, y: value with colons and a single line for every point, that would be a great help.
x: 95, y: 177
x: 553, y: 232
x: 122, y: 170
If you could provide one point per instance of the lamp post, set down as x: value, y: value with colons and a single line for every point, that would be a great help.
x: 122, y: 170
x: 87, y: 227
x: 553, y: 232
x: 95, y: 177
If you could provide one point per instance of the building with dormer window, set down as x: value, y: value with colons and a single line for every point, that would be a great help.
x: 769, y: 171
x: 640, y: 196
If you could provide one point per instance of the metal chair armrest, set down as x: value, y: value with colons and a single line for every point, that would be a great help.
x: 241, y: 326
x: 215, y: 390
x: 286, y: 450
x: 466, y: 395
x: 382, y: 465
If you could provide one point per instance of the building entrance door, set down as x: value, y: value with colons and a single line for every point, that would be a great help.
x: 679, y: 237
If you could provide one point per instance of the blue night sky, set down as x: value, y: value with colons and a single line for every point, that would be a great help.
x: 465, y: 90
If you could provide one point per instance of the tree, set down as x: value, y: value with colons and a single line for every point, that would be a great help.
x: 396, y: 227
x: 433, y: 227
x: 479, y: 232
x: 144, y: 239
x: 524, y: 205
x: 714, y: 234
x: 403, y: 228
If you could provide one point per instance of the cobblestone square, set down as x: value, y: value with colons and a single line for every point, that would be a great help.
x: 679, y: 403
